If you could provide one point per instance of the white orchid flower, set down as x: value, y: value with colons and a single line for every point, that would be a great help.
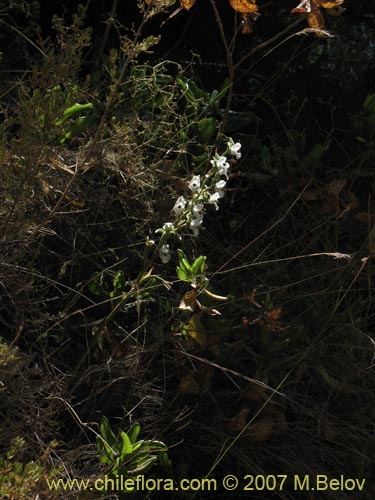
x: 179, y: 206
x: 221, y: 164
x: 168, y: 226
x: 234, y: 149
x: 214, y: 198
x: 197, y: 208
x: 219, y: 188
x: 195, y: 183
x: 196, y: 222
x: 165, y: 254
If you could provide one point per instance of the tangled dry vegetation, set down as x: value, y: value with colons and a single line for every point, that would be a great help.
x: 91, y: 163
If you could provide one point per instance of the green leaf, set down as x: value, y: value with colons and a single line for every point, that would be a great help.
x: 107, y: 433
x: 183, y: 276
x: 197, y: 92
x: 206, y: 129
x: 79, y: 126
x: 217, y: 95
x: 238, y: 120
x: 314, y: 155
x: 73, y: 110
x: 137, y: 445
x: 191, y: 91
x: 134, y: 432
x: 144, y: 465
x: 199, y: 265
x: 187, y: 92
x: 152, y: 446
x: 106, y: 453
x: 165, y: 461
x: 96, y: 288
x: 119, y: 282
x: 183, y: 262
x: 104, y: 458
x: 127, y: 447
x: 115, y: 466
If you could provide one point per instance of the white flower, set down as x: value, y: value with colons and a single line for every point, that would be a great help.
x: 179, y: 206
x: 222, y: 165
x: 164, y: 254
x: 197, y: 208
x: 214, y: 198
x: 219, y: 187
x: 195, y: 183
x: 168, y: 226
x: 234, y: 149
x: 196, y: 222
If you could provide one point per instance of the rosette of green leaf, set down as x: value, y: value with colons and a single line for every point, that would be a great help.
x: 75, y: 120
x: 190, y: 272
x: 124, y: 454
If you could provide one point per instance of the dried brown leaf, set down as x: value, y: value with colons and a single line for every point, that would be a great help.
x: 261, y: 430
x: 189, y: 301
x: 328, y: 4
x: 244, y: 6
x: 316, y: 21
x: 187, y: 4
x: 189, y: 386
x: 239, y: 422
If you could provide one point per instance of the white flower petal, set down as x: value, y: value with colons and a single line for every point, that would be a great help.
x: 197, y: 208
x: 235, y: 149
x: 195, y: 183
x: 180, y: 205
x: 196, y: 221
x: 221, y: 161
x: 164, y: 254
x: 214, y: 198
x: 221, y: 164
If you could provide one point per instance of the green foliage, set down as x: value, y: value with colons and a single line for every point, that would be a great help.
x: 190, y: 272
x: 71, y: 122
x: 8, y: 355
x: 20, y: 480
x: 74, y: 209
x: 125, y: 454
x: 203, y: 109
x: 75, y: 120
x: 120, y: 284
